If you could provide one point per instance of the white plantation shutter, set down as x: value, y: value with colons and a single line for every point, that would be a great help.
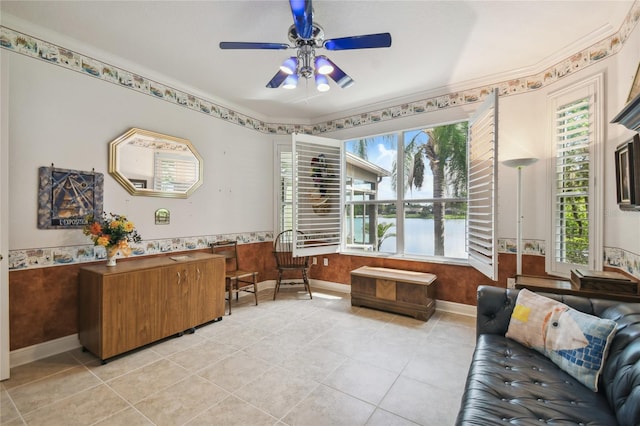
x: 174, y: 172
x: 285, y: 189
x: 317, y: 194
x: 482, y: 204
x: 575, y: 239
x: 573, y: 134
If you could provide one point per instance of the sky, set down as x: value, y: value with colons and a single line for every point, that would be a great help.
x: 382, y: 151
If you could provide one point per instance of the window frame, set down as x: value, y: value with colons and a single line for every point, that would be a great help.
x: 591, y: 87
x: 400, y: 203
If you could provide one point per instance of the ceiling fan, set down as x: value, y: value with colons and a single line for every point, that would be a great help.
x: 305, y: 35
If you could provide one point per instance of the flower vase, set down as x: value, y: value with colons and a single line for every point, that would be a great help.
x: 111, y: 256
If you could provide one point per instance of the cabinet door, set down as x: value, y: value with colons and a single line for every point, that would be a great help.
x: 173, y: 291
x: 206, y: 292
x: 126, y: 301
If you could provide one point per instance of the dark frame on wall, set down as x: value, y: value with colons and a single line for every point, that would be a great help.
x: 66, y: 197
x: 628, y: 174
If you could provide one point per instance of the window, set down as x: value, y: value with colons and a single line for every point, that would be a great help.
x: 406, y: 192
x: 414, y: 192
x: 285, y: 188
x: 576, y: 117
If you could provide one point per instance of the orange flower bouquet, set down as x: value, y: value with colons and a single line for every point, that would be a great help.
x: 113, y: 232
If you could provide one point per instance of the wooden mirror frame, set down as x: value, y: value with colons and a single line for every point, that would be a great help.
x: 134, y: 184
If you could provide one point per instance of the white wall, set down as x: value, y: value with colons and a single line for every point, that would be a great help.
x: 68, y: 119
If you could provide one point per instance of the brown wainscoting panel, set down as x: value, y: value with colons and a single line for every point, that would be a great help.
x: 42, y: 305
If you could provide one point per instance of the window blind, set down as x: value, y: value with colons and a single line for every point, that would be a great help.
x: 572, y: 173
x: 317, y: 195
x: 286, y: 191
x: 482, y: 202
x: 174, y: 172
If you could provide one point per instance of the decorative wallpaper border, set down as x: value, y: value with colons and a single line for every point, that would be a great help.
x: 25, y: 44
x: 612, y: 256
x: 64, y: 255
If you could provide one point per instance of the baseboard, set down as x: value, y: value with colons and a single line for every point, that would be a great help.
x: 43, y: 350
x: 456, y: 308
x: 325, y: 285
x: 328, y: 285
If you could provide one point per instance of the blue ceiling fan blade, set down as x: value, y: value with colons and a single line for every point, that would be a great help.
x: 277, y: 80
x: 248, y: 45
x: 369, y: 41
x: 340, y: 77
x: 302, y: 12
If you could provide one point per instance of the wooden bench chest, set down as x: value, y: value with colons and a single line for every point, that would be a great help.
x: 394, y: 290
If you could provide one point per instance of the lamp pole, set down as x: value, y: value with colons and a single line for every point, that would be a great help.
x: 519, y: 163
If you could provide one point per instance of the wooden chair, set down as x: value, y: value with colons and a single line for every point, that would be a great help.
x: 236, y: 279
x: 287, y: 264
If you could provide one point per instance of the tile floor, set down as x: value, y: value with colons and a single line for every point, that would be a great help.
x: 293, y: 361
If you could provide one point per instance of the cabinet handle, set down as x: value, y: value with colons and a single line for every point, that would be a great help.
x: 186, y: 275
x: 198, y: 276
x: 179, y: 277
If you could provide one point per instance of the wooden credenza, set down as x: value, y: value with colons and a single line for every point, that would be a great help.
x: 141, y: 301
x: 394, y: 290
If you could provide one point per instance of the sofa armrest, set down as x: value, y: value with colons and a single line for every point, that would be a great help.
x: 495, y: 305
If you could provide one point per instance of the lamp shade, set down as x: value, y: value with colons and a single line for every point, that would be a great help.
x: 519, y: 162
x: 322, y: 83
x: 290, y: 65
x: 291, y: 82
x: 323, y: 66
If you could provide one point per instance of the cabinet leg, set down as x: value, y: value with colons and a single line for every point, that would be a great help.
x: 180, y: 334
x: 84, y: 349
x: 191, y: 330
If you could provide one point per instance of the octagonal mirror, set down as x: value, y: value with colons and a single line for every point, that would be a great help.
x: 155, y: 165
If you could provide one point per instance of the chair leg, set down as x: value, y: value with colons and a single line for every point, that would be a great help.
x: 275, y: 290
x: 306, y: 282
x: 229, y: 290
x: 255, y: 288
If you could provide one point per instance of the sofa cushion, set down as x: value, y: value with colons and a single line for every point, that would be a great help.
x: 511, y: 384
x: 575, y: 341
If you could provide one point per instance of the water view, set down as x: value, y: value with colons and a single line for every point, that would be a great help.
x: 419, y: 237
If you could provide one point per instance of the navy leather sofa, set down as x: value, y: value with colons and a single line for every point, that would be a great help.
x: 509, y: 384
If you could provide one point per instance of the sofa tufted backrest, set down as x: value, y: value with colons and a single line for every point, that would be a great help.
x: 495, y: 305
x: 621, y: 374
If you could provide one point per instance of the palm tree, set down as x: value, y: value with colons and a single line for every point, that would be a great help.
x: 446, y: 152
x: 383, y: 228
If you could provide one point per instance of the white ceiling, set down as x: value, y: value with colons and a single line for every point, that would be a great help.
x: 437, y: 46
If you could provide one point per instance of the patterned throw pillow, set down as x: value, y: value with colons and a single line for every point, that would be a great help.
x: 576, y: 342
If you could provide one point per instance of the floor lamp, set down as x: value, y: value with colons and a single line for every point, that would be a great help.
x: 519, y: 163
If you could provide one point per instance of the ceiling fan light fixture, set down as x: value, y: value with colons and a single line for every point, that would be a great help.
x: 323, y: 66
x: 290, y: 65
x: 291, y: 82
x: 306, y: 36
x: 322, y: 83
